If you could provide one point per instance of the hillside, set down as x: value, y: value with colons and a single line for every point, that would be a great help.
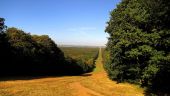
x: 95, y: 83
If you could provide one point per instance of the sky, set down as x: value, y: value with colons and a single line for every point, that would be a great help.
x: 67, y: 22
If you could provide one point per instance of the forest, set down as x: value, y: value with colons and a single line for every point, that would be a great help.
x: 84, y: 56
x: 138, y: 47
x: 26, y: 54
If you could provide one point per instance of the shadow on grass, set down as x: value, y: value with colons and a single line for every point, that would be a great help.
x: 31, y: 77
x: 86, y: 74
x: 151, y: 92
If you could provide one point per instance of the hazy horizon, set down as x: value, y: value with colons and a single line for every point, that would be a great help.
x: 75, y: 22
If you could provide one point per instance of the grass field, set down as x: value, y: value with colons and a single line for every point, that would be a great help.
x: 95, y: 83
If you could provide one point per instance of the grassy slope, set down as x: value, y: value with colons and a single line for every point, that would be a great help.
x: 91, y: 84
x: 99, y: 64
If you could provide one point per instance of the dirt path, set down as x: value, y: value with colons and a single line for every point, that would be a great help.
x: 83, y: 91
x: 95, y: 83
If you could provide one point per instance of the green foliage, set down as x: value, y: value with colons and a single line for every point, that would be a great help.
x: 84, y: 57
x: 139, y: 43
x: 21, y: 42
x: 2, y: 25
x: 25, y: 54
x: 4, y: 44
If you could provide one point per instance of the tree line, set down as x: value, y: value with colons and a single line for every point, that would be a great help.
x: 24, y: 54
x: 139, y: 44
x: 84, y: 56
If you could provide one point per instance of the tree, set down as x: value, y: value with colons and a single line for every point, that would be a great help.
x: 24, y: 54
x: 2, y: 24
x: 139, y: 42
x: 4, y: 46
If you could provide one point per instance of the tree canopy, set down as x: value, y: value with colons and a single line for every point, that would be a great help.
x: 2, y: 24
x: 139, y: 43
x: 24, y: 54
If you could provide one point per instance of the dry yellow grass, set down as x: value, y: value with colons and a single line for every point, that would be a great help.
x: 91, y: 84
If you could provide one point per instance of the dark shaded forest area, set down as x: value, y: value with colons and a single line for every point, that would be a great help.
x: 25, y: 54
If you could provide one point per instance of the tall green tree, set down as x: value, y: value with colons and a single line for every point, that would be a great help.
x: 4, y: 44
x: 139, y: 43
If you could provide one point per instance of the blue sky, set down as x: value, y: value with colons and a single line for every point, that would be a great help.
x: 68, y: 22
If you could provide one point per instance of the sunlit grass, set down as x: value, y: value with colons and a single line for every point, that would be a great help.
x: 99, y: 63
x: 92, y: 84
x: 36, y: 87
